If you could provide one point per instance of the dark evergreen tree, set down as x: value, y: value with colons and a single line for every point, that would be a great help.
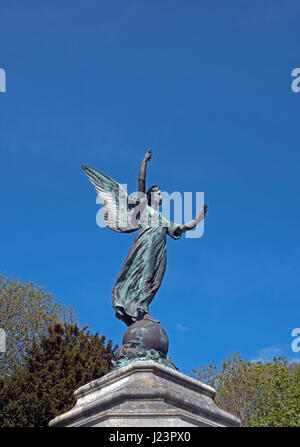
x: 60, y: 362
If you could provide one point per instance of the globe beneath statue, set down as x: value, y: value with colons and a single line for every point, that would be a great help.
x: 144, y: 340
x: 148, y: 334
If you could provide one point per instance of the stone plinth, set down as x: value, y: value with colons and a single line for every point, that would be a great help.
x: 145, y: 394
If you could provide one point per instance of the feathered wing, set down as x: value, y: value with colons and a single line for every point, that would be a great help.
x: 114, y: 198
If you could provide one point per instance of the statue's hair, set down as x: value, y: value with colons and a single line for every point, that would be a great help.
x: 150, y: 190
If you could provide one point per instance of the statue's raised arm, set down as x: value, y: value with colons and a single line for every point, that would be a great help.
x: 142, y: 172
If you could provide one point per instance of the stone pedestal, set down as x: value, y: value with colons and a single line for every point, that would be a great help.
x: 145, y: 394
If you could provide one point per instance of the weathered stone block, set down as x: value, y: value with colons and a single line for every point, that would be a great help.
x: 145, y: 394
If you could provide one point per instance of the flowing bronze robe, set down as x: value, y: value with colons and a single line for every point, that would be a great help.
x: 144, y: 267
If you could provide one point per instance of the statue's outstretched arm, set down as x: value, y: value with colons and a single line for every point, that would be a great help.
x: 190, y: 225
x: 142, y: 172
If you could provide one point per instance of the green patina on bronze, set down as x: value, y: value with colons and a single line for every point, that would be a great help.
x: 144, y: 340
x: 144, y: 267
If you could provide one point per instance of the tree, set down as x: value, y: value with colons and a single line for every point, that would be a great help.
x: 60, y: 362
x: 279, y: 388
x: 260, y: 394
x: 26, y: 311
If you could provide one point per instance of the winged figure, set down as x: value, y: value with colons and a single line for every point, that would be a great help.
x: 144, y: 267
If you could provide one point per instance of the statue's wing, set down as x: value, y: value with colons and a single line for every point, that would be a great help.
x: 114, y: 198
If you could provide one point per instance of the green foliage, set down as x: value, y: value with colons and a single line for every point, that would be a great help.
x: 279, y: 386
x: 60, y: 362
x: 26, y: 311
x: 260, y: 394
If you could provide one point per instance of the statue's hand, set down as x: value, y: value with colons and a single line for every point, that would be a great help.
x: 148, y: 155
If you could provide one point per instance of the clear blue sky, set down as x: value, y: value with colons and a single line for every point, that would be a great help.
x: 206, y: 84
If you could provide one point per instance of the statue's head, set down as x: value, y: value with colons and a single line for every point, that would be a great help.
x: 154, y: 195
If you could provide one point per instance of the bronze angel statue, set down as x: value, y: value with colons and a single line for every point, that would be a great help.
x: 144, y: 267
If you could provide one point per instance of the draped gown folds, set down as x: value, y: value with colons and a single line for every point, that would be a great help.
x: 144, y: 267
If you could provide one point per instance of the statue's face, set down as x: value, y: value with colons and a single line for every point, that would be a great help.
x: 156, y: 196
